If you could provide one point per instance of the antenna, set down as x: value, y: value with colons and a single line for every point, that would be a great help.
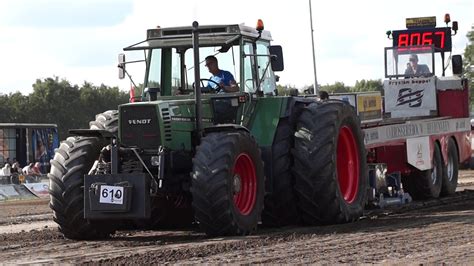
x: 314, y: 53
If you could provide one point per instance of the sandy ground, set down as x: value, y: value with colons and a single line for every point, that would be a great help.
x: 436, y: 231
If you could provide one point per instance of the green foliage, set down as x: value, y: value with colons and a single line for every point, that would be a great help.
x: 284, y: 90
x: 58, y: 102
x: 368, y: 85
x: 337, y: 87
x: 468, y: 62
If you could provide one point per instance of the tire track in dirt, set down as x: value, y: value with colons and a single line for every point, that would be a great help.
x: 443, y: 232
x: 393, y: 239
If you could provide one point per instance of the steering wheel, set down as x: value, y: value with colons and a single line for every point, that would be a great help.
x: 204, y: 89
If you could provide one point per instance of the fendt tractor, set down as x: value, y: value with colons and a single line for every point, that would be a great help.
x: 182, y: 153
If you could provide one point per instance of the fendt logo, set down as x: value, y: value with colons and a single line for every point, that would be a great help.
x: 139, y: 121
x: 410, y: 97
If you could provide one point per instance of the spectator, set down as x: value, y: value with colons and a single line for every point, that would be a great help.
x: 6, y: 170
x: 27, y: 169
x: 36, y: 169
x: 16, y: 168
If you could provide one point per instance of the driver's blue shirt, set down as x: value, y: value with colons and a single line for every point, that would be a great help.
x: 223, y: 76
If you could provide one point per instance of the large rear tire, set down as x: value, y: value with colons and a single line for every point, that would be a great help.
x: 280, y: 205
x: 330, y: 164
x: 72, y: 161
x: 450, y: 170
x: 426, y: 184
x: 227, y: 184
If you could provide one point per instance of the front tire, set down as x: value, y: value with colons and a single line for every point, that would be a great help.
x: 330, y: 167
x: 227, y: 184
x: 72, y: 161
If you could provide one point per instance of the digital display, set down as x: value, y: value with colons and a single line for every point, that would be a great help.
x: 440, y: 38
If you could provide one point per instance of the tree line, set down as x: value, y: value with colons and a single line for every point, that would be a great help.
x: 72, y: 106
x: 337, y: 87
x: 56, y: 101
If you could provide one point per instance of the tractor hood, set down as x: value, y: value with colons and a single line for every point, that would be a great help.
x: 170, y: 122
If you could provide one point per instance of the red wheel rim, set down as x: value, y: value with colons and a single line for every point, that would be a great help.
x: 347, y: 164
x: 244, y: 184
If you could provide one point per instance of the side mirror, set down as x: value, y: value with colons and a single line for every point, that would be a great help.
x: 457, y: 64
x: 121, y: 66
x: 276, y: 58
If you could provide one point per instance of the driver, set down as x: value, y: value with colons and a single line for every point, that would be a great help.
x: 224, y: 78
x: 413, y: 68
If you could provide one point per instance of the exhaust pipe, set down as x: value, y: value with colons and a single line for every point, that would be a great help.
x: 197, y: 81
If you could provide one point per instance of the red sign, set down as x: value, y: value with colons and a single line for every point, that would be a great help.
x: 440, y: 38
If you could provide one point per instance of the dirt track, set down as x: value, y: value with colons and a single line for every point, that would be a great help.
x: 437, y: 231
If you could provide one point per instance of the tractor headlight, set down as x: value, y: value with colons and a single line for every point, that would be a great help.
x: 155, y: 160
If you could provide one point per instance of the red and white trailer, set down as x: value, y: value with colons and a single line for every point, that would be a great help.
x: 418, y: 132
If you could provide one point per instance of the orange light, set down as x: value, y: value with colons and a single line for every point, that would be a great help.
x: 260, y: 26
x: 447, y: 18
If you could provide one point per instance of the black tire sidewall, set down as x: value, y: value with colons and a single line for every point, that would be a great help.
x: 423, y: 186
x: 438, y: 163
x: 280, y: 205
x: 449, y: 186
x: 71, y: 162
x: 212, y: 183
x: 319, y: 197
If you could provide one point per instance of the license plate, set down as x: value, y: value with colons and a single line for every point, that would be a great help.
x: 111, y: 195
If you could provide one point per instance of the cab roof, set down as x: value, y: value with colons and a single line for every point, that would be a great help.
x: 209, y: 35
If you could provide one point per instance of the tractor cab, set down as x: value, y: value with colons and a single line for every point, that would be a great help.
x: 170, y: 68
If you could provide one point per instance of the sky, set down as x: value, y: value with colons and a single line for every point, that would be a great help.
x: 80, y: 40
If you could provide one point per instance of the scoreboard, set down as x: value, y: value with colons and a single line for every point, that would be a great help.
x: 440, y: 38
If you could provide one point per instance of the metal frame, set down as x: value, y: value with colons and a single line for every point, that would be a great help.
x: 422, y: 49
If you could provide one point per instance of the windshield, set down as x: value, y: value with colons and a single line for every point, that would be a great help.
x: 413, y: 62
x: 172, y: 69
x: 263, y: 71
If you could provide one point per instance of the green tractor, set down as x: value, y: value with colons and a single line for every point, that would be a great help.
x: 182, y: 154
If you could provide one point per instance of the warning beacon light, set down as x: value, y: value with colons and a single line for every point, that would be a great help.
x: 260, y: 26
x: 447, y: 18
